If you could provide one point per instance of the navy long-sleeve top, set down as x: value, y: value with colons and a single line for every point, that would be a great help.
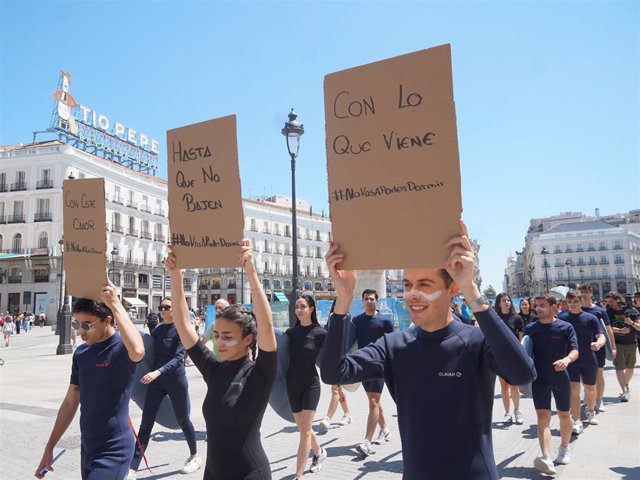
x: 168, y: 349
x: 443, y: 384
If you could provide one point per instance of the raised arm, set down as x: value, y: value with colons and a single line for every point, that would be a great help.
x: 179, y: 308
x: 128, y: 331
x: 510, y: 359
x: 261, y: 308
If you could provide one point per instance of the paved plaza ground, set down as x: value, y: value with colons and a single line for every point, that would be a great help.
x: 33, y: 381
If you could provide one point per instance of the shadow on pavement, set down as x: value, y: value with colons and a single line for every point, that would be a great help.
x: 382, y: 465
x: 289, y: 429
x: 517, y: 472
x: 627, y: 473
x: 174, y: 473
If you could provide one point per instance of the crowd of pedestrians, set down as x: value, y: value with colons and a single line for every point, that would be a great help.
x: 454, y: 351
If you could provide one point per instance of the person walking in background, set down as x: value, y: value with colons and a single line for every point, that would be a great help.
x: 625, y: 338
x: 7, y: 330
x: 527, y: 312
x: 18, y: 323
x: 369, y: 327
x: 306, y: 339
x: 152, y: 320
x: 168, y: 378
x: 506, y: 311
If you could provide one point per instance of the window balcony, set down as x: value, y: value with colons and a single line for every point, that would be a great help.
x: 145, y: 208
x: 604, y: 262
x: 117, y: 229
x: 619, y: 261
x: 160, y: 212
x: 144, y: 285
x: 3, y: 187
x: 41, y: 184
x: 146, y: 235
x: 15, y: 278
x: 159, y: 238
x: 601, y: 248
x: 118, y: 200
x: 43, y: 217
x: 617, y: 247
x: 131, y: 204
x: 132, y: 232
x: 41, y: 278
x: 591, y: 249
x: 16, y: 218
x: 18, y: 186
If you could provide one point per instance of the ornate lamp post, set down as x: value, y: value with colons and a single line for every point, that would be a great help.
x: 114, y: 252
x: 581, y: 272
x: 59, y: 317
x: 545, y: 252
x: 567, y: 264
x: 292, y: 131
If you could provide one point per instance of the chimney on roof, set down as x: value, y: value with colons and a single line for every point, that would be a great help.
x: 597, y: 214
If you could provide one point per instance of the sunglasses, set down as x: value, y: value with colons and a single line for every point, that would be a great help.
x: 84, y: 325
x: 165, y: 307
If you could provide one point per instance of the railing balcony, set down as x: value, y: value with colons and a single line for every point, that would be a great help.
x: 159, y: 238
x: 591, y: 249
x: 118, y: 200
x: 41, y: 278
x: 40, y: 184
x: 16, y: 218
x: 604, y: 262
x: 131, y: 204
x: 145, y: 208
x: 130, y: 284
x: 43, y: 217
x: 3, y: 187
x: 617, y: 247
x: 579, y: 249
x: 144, y: 285
x: 117, y: 228
x: 253, y: 229
x: 592, y: 262
x: 605, y: 277
x: 133, y: 261
x: 160, y: 212
x: 3, y: 219
x: 620, y: 276
x: 15, y: 187
x: 601, y: 248
x: 15, y: 278
x: 132, y: 232
x: 619, y: 261
x: 146, y: 235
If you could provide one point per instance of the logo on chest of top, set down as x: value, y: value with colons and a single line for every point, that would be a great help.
x: 102, y: 365
x: 450, y: 374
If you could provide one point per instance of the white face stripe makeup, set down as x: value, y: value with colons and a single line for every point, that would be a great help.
x: 225, y: 343
x: 417, y: 296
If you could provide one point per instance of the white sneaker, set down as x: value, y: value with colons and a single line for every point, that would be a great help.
x: 563, y: 458
x: 577, y: 427
x: 383, y: 436
x: 600, y: 406
x: 364, y: 448
x: 193, y: 463
x: 591, y: 417
x: 507, y: 418
x: 324, y: 424
x: 346, y: 419
x: 517, y: 417
x: 316, y: 463
x: 131, y: 475
x: 545, y: 465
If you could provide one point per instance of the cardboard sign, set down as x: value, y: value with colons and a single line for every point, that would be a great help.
x: 205, y: 200
x: 85, y: 237
x: 392, y: 159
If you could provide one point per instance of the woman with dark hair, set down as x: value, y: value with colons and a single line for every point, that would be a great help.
x: 168, y: 378
x: 506, y: 311
x: 306, y: 338
x: 238, y: 388
x: 526, y: 313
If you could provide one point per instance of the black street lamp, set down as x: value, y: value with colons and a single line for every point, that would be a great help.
x: 567, y: 263
x: 114, y: 252
x: 59, y: 317
x: 545, y: 252
x: 292, y: 131
x: 581, y: 272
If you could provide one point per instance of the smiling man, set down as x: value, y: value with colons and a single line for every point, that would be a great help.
x: 442, y: 374
x: 101, y: 378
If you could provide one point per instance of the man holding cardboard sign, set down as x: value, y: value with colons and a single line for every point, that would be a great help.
x: 441, y: 374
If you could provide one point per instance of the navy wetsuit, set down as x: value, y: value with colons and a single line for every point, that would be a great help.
x: 169, y: 360
x: 551, y: 342
x: 601, y: 314
x: 237, y: 396
x: 303, y: 381
x: 587, y: 326
x: 104, y: 373
x: 370, y: 328
x: 443, y: 384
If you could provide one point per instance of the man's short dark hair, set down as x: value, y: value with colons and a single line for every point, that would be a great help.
x: 586, y: 286
x: 548, y: 297
x: 616, y: 296
x: 445, y: 276
x: 573, y: 294
x: 370, y: 291
x: 93, y: 308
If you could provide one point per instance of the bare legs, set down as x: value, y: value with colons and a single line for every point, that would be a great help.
x: 376, y: 414
x: 308, y: 439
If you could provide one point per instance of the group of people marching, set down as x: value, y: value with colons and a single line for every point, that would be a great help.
x: 431, y: 371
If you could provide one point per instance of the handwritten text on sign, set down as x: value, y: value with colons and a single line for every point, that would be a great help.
x: 392, y: 159
x: 85, y: 237
x: 205, y: 203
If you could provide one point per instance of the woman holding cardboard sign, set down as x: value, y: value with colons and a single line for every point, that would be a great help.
x: 238, y: 387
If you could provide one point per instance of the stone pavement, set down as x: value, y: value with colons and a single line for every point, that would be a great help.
x: 34, y: 380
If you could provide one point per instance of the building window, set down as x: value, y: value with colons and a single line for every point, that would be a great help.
x: 17, y: 243
x: 617, y: 245
x: 605, y: 273
x: 1, y: 242
x: 591, y: 247
x: 559, y: 275
x: 602, y: 246
x: 41, y: 274
x: 277, y: 285
x: 603, y: 259
x: 43, y: 240
x: 619, y: 273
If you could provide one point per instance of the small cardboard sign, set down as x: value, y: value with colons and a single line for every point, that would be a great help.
x: 392, y: 159
x: 205, y: 200
x: 85, y: 237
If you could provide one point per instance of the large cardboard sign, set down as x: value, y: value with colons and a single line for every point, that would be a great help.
x: 205, y: 200
x: 85, y: 237
x: 392, y: 158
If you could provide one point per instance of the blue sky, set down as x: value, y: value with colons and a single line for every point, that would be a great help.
x: 547, y: 93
